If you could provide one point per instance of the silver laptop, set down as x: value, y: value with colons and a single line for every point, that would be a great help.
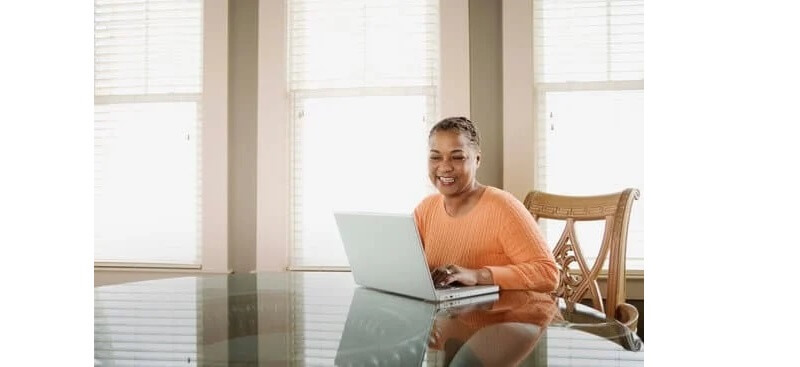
x: 387, y: 330
x: 385, y: 253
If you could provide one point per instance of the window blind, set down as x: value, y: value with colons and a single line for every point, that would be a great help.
x: 147, y: 324
x: 588, y: 40
x: 148, y: 85
x: 574, y: 348
x: 317, y: 319
x: 363, y: 80
x: 588, y: 82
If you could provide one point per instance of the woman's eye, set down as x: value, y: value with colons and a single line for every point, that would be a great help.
x: 435, y: 158
x: 458, y: 158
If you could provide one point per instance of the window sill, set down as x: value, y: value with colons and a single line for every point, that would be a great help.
x: 124, y: 266
x: 108, y: 275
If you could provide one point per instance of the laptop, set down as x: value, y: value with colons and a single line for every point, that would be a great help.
x: 388, y: 330
x: 385, y: 253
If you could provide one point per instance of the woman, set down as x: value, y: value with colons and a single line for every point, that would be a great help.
x: 473, y: 233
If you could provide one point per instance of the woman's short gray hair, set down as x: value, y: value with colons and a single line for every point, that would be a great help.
x: 461, y: 124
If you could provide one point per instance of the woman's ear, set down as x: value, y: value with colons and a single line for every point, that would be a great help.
x: 478, y: 160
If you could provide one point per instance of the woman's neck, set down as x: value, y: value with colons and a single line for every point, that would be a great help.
x: 461, y: 203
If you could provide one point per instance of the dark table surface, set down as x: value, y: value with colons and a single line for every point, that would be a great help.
x: 324, y: 319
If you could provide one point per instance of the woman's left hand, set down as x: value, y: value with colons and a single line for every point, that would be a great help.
x: 445, y: 275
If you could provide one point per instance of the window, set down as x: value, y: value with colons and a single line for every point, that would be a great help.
x: 148, y: 89
x: 588, y: 82
x: 363, y: 78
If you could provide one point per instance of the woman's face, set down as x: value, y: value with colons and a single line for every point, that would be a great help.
x: 452, y: 162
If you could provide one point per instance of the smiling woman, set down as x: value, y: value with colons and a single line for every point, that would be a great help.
x: 473, y: 233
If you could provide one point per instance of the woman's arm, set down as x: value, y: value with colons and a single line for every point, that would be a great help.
x: 532, y: 264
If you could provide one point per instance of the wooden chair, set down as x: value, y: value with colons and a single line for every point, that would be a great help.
x: 574, y: 284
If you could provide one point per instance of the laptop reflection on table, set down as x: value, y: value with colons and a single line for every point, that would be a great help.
x: 388, y: 330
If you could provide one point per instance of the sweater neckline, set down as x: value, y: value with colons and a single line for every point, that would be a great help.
x: 471, y: 211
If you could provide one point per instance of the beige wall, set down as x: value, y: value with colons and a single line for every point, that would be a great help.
x: 215, y: 138
x: 274, y: 176
x: 486, y: 81
x: 519, y: 135
x: 454, y: 81
x: 242, y: 123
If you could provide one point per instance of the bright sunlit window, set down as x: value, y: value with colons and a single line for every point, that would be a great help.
x: 588, y: 80
x: 148, y: 87
x: 364, y: 84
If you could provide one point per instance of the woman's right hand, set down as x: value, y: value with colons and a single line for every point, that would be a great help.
x: 443, y: 275
x: 448, y: 274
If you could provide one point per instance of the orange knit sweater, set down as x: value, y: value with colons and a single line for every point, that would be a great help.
x: 498, y: 234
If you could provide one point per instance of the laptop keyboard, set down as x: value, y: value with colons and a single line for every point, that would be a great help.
x: 447, y: 286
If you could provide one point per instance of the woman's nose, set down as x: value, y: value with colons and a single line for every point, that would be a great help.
x: 445, y: 166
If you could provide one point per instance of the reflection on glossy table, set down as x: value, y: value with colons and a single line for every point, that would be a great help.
x: 324, y: 319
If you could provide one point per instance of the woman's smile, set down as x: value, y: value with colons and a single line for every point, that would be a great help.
x: 446, y: 181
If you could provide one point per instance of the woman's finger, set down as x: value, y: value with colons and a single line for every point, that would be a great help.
x: 437, y: 276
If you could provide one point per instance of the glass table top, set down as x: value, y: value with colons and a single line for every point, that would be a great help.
x: 324, y: 319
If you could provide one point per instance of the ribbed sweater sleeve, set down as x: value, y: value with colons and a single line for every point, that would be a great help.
x: 422, y: 216
x: 532, y: 264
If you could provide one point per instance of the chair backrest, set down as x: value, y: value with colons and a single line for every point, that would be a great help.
x: 615, y: 209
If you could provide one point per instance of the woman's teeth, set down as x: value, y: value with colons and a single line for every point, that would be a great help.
x: 447, y: 179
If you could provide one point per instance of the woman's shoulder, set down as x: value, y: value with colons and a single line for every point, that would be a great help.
x: 501, y: 197
x: 429, y: 202
x: 504, y: 203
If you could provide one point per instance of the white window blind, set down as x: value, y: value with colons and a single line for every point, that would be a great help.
x: 364, y: 83
x: 148, y: 85
x: 318, y: 319
x: 573, y: 348
x: 588, y: 82
x: 147, y: 323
